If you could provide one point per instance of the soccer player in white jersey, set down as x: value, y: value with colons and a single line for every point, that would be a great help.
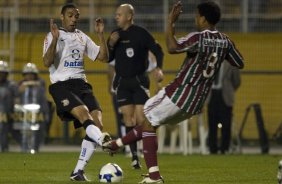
x: 63, y: 53
x: 206, y: 48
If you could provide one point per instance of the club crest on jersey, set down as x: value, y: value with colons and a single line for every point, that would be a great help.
x: 130, y: 52
x: 65, y: 102
x: 75, y: 54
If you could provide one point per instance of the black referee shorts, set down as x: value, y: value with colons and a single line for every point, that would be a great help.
x: 72, y: 93
x: 134, y: 90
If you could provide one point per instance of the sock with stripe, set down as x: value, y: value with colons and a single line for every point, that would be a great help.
x: 150, y: 147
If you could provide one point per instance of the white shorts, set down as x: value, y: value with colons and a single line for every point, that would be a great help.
x: 159, y: 110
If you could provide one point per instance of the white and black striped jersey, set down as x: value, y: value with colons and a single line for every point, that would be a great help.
x: 70, y: 51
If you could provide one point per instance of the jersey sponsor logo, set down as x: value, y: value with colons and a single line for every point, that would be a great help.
x: 77, y: 63
x: 73, y: 64
x: 130, y: 52
x: 65, y: 102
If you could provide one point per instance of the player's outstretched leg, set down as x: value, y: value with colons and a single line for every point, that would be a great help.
x: 134, y: 135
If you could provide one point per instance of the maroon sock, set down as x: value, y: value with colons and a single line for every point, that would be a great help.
x: 150, y: 147
x: 134, y: 135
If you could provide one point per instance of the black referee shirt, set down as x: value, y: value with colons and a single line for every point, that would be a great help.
x: 131, y: 51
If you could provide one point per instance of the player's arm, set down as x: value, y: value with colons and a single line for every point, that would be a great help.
x: 234, y: 57
x: 103, y: 55
x: 112, y: 41
x: 154, y: 71
x: 156, y: 50
x: 236, y: 78
x: 49, y: 55
x: 171, y: 41
x: 111, y: 74
x: 156, y: 54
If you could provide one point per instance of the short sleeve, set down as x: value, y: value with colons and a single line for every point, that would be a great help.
x: 92, y: 50
x: 188, y: 43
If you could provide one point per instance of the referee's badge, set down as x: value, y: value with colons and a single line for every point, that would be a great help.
x: 65, y: 102
x: 130, y: 52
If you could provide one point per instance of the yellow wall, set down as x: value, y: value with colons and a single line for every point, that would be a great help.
x: 261, y: 52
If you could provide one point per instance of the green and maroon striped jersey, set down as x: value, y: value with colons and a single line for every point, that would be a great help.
x: 206, y: 51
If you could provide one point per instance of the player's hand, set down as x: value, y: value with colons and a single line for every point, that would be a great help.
x: 158, y: 74
x: 99, y: 25
x: 175, y: 12
x: 54, y: 29
x: 113, y: 39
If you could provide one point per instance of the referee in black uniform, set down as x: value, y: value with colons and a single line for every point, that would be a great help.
x: 128, y: 46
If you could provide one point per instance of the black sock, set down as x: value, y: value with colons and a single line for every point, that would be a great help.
x: 87, y: 123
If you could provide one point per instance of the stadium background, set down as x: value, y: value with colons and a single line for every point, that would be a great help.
x: 254, y: 25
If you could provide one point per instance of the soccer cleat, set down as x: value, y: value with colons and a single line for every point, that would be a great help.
x: 105, y: 138
x: 107, y: 147
x: 147, y: 179
x: 136, y: 164
x: 78, y: 176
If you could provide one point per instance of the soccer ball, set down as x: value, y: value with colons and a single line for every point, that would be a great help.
x: 110, y: 173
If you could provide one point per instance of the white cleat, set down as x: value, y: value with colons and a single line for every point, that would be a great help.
x: 105, y: 137
x: 147, y: 179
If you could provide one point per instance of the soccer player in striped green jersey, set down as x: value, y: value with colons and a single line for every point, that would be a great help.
x: 183, y: 97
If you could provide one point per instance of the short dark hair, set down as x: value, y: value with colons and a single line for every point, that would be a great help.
x: 210, y: 10
x: 66, y: 6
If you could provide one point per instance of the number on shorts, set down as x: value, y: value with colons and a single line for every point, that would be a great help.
x: 209, y: 71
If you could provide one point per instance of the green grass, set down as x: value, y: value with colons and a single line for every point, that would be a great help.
x: 55, y: 168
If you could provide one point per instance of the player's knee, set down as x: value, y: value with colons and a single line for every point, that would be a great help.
x: 146, y: 126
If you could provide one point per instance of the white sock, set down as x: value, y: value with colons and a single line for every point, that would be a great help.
x: 87, y: 150
x: 94, y: 133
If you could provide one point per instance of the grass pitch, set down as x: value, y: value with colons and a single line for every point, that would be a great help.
x: 55, y: 168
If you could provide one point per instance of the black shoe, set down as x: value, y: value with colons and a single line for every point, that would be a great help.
x: 78, y: 176
x: 136, y: 164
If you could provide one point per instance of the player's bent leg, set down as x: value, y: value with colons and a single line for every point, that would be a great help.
x: 82, y: 114
x: 97, y: 117
x: 87, y: 149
